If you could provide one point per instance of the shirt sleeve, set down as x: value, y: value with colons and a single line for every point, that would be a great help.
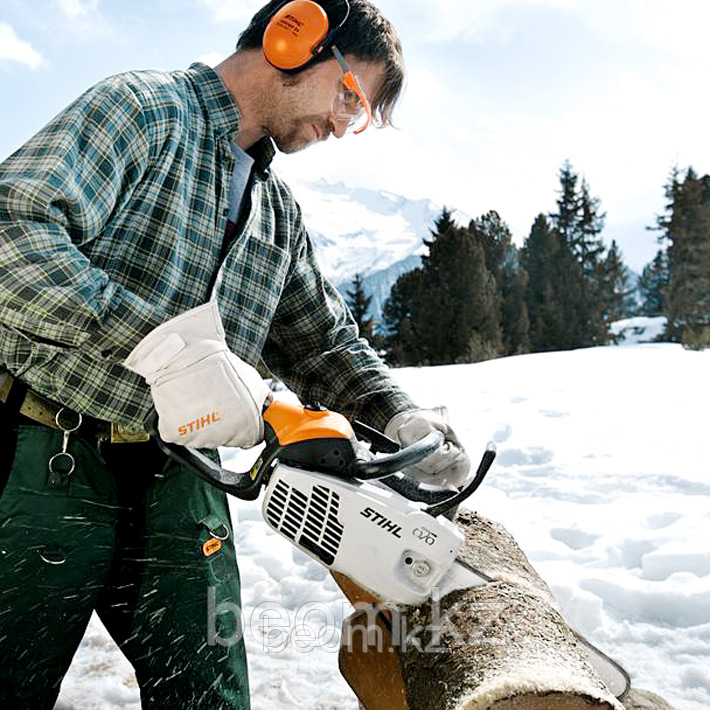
x: 314, y: 346
x: 56, y: 193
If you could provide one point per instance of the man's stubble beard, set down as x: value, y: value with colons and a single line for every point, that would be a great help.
x: 299, y: 135
x: 290, y: 132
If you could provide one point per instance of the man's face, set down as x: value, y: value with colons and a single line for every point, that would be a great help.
x: 302, y: 113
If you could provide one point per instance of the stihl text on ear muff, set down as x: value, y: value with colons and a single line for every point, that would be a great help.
x: 297, y: 32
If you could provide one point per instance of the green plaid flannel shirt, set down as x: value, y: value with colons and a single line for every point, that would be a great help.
x: 112, y: 221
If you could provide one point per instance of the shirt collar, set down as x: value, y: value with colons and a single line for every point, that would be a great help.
x: 263, y: 152
x: 221, y: 108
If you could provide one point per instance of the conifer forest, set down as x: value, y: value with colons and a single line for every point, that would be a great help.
x: 478, y: 296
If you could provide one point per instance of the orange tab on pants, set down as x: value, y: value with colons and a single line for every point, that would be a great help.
x: 211, y: 547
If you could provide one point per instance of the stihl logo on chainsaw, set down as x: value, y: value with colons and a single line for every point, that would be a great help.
x: 382, y: 521
x: 201, y: 423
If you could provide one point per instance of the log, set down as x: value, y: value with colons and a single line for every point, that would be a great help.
x: 502, y: 646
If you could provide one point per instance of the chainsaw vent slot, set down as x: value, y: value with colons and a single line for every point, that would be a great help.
x: 287, y: 509
x: 323, y: 531
x: 312, y: 522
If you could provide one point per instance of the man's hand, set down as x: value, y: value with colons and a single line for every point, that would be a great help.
x: 449, y: 464
x: 205, y: 395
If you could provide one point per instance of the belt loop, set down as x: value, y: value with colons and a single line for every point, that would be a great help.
x: 16, y: 396
x: 10, y: 409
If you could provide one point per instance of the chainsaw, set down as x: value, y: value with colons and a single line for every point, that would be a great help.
x: 339, y: 492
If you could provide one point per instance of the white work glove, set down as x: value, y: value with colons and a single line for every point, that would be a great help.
x: 205, y: 395
x: 449, y: 464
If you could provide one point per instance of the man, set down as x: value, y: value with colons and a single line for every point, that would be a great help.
x: 148, y: 258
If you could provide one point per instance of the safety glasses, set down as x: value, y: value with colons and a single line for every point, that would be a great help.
x: 350, y: 105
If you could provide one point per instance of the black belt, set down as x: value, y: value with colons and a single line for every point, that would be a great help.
x: 15, y: 394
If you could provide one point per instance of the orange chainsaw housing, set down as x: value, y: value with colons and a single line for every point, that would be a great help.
x: 297, y: 422
x: 310, y: 435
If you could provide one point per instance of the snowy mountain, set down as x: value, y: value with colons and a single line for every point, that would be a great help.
x: 601, y: 476
x: 377, y: 234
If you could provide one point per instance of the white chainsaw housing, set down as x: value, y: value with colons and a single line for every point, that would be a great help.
x: 375, y: 537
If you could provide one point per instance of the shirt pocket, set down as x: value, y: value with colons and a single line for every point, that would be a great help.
x: 252, y: 280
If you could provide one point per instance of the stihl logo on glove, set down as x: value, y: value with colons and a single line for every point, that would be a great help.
x: 201, y: 423
x: 205, y: 395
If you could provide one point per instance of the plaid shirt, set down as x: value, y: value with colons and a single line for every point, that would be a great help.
x: 112, y: 221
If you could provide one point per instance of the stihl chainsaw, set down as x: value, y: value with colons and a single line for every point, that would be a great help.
x: 340, y: 493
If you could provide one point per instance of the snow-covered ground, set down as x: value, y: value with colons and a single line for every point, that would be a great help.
x: 641, y: 329
x: 602, y: 476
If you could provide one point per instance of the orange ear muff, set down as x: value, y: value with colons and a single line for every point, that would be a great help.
x: 294, y: 34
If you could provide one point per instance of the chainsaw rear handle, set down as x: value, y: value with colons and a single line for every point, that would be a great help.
x: 241, y: 485
x: 246, y: 485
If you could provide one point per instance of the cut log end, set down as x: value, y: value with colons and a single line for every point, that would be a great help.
x: 548, y: 701
x: 639, y: 699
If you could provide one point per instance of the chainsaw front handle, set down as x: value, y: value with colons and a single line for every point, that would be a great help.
x: 389, y: 468
x: 247, y: 485
x: 402, y: 459
x: 440, y: 501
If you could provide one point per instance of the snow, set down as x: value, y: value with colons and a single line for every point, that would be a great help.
x: 602, y: 477
x: 641, y: 329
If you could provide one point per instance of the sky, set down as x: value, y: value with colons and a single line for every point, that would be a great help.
x: 499, y: 94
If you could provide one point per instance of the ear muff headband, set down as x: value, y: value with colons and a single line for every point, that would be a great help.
x: 297, y: 32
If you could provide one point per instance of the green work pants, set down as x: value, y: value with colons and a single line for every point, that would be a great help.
x: 134, y: 536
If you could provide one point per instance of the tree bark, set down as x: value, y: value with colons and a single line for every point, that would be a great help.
x: 501, y: 646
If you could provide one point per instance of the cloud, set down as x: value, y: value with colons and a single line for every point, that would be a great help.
x: 228, y: 10
x: 13, y: 49
x: 451, y: 20
x: 78, y: 8
x: 440, y: 21
x: 84, y: 17
x: 212, y: 59
x: 679, y: 28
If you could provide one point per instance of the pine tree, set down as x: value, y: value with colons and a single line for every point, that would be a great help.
x: 503, y: 262
x: 553, y: 293
x: 359, y: 303
x: 400, y: 319
x: 687, y: 296
x: 579, y: 223
x: 654, y: 281
x: 447, y: 311
x: 587, y: 245
x: 566, y: 219
x: 614, y: 297
x: 460, y: 308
